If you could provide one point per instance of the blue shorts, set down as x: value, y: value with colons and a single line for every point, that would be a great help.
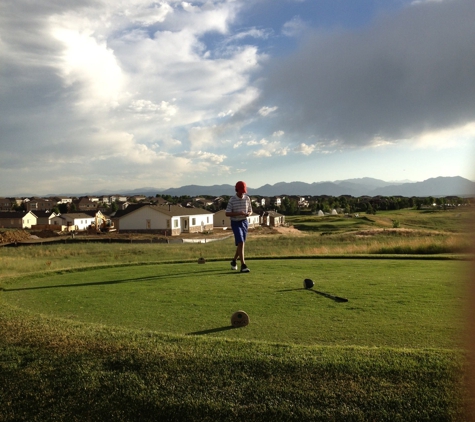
x: 239, y: 230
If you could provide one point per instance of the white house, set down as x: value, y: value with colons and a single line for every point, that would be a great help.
x: 73, y: 221
x: 254, y: 220
x: 167, y: 219
x: 17, y: 219
x: 273, y: 219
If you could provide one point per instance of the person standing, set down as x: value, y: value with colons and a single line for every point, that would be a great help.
x: 238, y: 209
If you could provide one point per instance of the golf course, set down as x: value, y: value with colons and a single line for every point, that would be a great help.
x: 95, y: 331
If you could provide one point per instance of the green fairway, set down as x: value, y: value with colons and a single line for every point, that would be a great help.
x: 395, y: 303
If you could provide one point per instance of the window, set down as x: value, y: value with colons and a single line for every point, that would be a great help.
x: 207, y: 219
x: 175, y: 223
x: 168, y: 224
x: 193, y: 221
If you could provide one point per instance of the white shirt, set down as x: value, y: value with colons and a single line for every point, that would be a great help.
x: 237, y: 204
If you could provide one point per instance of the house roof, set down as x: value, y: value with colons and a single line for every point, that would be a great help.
x: 170, y: 210
x: 274, y: 214
x: 75, y: 215
x: 43, y: 213
x: 15, y: 214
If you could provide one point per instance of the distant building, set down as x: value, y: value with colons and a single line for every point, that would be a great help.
x: 17, y: 219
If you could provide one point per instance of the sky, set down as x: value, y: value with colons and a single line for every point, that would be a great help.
x: 115, y: 95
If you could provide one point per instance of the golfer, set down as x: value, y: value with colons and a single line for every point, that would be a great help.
x: 238, y: 209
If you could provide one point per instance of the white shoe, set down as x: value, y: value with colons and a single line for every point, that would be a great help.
x: 233, y: 265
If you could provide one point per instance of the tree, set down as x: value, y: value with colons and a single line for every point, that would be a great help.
x: 63, y: 208
x: 370, y: 209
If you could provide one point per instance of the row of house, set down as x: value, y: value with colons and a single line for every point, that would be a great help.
x: 171, y: 220
x: 90, y: 203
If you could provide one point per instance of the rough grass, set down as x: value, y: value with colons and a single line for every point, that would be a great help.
x: 58, y: 370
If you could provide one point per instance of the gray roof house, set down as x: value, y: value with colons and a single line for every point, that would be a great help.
x: 17, y: 219
x: 171, y: 220
x: 44, y: 217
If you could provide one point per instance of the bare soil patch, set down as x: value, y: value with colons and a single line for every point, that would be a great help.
x: 289, y: 230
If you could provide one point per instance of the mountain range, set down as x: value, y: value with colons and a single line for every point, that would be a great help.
x: 366, y: 186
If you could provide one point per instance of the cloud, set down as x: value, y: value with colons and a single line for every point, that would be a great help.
x: 294, y: 27
x: 445, y: 138
x: 406, y: 74
x: 148, y: 110
x: 304, y: 149
x: 271, y: 149
x: 204, y: 156
x: 265, y: 111
x: 118, y: 84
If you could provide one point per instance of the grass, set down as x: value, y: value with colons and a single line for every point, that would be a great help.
x: 70, y: 372
x: 448, y: 221
x: 145, y: 334
x: 409, y: 303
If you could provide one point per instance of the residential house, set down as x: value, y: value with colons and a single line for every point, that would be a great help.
x: 137, y: 198
x: 44, y: 217
x: 160, y: 201
x: 254, y: 220
x: 220, y: 220
x: 105, y: 199
x: 17, y: 219
x: 165, y: 219
x: 276, y: 201
x: 272, y: 219
x: 202, y: 202
x: 122, y: 205
x: 303, y: 202
x: 6, y: 204
x: 86, y: 204
x: 62, y: 200
x: 259, y: 202
x: 39, y: 204
x: 119, y: 198
x: 78, y: 221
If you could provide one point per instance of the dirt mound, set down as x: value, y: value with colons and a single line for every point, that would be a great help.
x: 10, y: 236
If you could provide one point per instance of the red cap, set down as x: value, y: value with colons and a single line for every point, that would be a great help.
x: 241, y: 187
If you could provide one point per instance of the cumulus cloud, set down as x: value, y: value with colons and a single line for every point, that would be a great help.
x: 126, y: 81
x: 271, y: 149
x: 204, y: 156
x: 304, y: 149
